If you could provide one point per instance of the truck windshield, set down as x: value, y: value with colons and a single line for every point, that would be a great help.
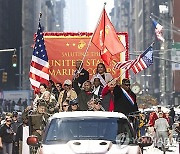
x: 88, y: 128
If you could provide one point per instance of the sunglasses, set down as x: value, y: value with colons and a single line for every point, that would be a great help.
x: 8, y: 120
x: 67, y: 85
x: 73, y: 104
x: 97, y: 103
x: 65, y: 105
x: 127, y: 85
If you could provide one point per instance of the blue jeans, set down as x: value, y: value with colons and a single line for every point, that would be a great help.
x: 7, y: 148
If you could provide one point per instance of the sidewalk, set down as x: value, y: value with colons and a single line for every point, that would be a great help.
x: 174, y: 149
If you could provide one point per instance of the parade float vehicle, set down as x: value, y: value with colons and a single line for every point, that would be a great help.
x: 89, y: 132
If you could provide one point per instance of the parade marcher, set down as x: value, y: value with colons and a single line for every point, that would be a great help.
x: 57, y: 90
x: 15, y: 124
x: 142, y: 124
x: 177, y: 129
x: 170, y: 131
x: 6, y: 136
x: 74, y: 105
x: 108, y: 97
x: 22, y: 135
x: 65, y: 106
x: 51, y: 87
x: 125, y: 101
x: 67, y: 94
x: 51, y: 103
x: 97, y: 87
x: 42, y: 89
x: 172, y: 114
x: 90, y: 104
x: 102, y: 74
x: 39, y: 119
x: 95, y: 105
x: 154, y: 116
x: 98, y: 105
x: 124, y: 98
x: 84, y: 94
x: 161, y: 127
x: 80, y: 74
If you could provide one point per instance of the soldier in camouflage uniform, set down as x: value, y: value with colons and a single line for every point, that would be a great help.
x: 39, y: 119
x: 51, y: 103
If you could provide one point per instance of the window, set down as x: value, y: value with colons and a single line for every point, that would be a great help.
x: 88, y: 128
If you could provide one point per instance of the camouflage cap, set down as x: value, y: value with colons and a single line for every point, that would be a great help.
x: 73, y: 102
x: 41, y: 102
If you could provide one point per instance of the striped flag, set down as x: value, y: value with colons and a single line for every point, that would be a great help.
x: 158, y: 30
x: 143, y: 61
x: 39, y: 67
x: 123, y: 65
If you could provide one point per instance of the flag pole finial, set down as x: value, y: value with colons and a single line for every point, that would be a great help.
x: 105, y: 3
x: 40, y: 16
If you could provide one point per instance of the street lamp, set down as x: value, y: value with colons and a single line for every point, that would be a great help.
x: 14, y: 56
x: 14, y: 60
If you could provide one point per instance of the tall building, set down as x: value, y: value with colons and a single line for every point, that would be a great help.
x: 18, y: 24
x: 134, y: 17
x: 176, y: 52
x: 10, y: 37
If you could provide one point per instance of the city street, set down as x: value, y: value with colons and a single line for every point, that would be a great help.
x: 174, y: 149
x: 89, y: 76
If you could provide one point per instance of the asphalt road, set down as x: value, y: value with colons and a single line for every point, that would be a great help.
x: 174, y: 149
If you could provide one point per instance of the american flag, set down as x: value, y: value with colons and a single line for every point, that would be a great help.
x: 39, y: 67
x: 123, y: 65
x: 158, y: 30
x: 143, y: 61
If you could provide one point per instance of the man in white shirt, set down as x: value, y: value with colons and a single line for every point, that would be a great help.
x: 161, y: 127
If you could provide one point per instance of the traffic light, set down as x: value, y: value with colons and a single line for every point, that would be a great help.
x: 14, y: 60
x: 4, y: 77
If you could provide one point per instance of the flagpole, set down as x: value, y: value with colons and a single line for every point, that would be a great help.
x: 40, y: 16
x: 122, y: 74
x: 85, y: 53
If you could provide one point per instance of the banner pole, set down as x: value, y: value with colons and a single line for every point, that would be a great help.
x: 85, y: 53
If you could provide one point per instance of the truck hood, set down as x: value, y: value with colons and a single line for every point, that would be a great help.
x: 88, y: 147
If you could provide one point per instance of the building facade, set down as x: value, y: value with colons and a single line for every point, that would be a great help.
x: 10, y: 37
x: 134, y: 17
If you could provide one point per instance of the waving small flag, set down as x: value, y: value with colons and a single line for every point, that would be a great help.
x: 143, y: 61
x: 158, y: 30
x: 123, y: 65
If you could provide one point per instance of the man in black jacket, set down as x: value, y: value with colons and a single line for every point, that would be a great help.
x: 124, y: 98
x: 80, y: 74
x: 22, y: 134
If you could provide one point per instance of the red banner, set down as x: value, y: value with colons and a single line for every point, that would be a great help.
x: 65, y: 48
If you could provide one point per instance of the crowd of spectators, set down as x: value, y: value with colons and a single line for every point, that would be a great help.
x: 100, y: 93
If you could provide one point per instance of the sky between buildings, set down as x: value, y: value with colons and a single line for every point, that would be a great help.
x: 83, y: 15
